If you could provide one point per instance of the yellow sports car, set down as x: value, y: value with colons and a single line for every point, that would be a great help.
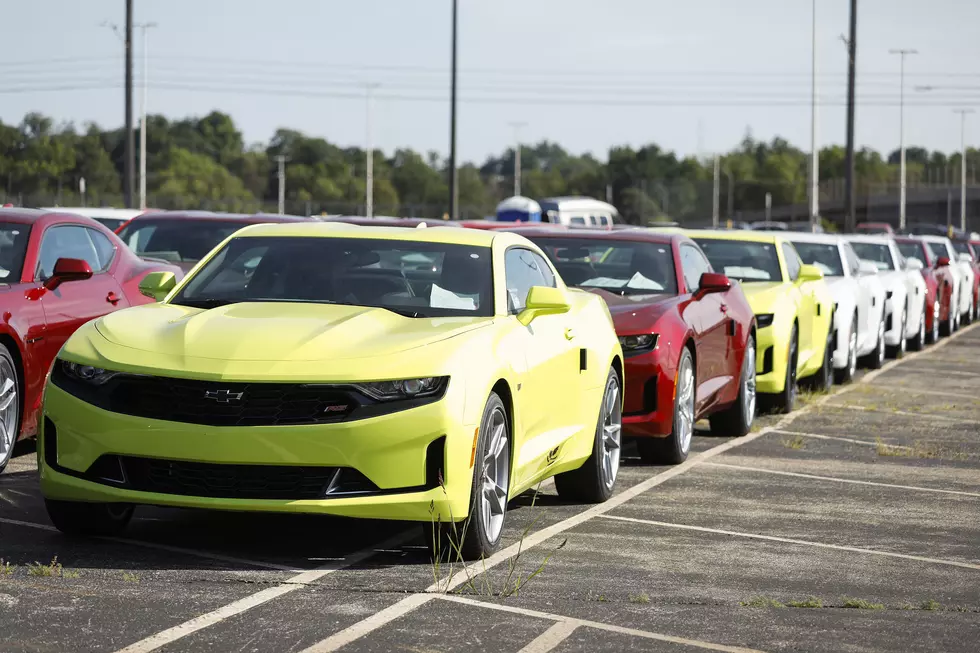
x: 390, y: 373
x: 793, y: 309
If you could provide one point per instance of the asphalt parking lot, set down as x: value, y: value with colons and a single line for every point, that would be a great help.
x: 864, y: 506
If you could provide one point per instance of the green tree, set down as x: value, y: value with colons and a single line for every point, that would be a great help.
x: 192, y: 180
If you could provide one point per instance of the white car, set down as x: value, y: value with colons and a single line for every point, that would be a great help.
x: 905, y: 290
x: 962, y: 271
x: 859, y: 299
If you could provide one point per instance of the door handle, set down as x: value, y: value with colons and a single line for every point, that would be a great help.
x: 724, y: 308
x: 569, y: 333
x: 112, y: 298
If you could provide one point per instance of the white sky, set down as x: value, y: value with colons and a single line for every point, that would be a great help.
x: 587, y: 74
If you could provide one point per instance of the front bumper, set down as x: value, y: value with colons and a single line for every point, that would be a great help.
x: 415, y: 464
x: 771, y: 362
x: 649, y: 400
x: 894, y: 334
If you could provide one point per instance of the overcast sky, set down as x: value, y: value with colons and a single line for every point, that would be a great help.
x: 691, y: 76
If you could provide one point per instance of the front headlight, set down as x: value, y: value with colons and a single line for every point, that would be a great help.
x: 638, y: 343
x: 764, y: 319
x: 86, y: 373
x: 404, y: 388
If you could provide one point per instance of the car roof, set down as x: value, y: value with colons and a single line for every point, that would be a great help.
x: 932, y: 238
x: 874, y: 239
x: 387, y: 221
x: 212, y: 215
x: 317, y: 229
x: 803, y: 237
x: 30, y: 216
x: 771, y: 237
x: 637, y: 234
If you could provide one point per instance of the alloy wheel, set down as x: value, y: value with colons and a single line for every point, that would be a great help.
x: 612, y: 430
x: 852, y: 353
x: 901, y: 340
x: 9, y: 410
x: 881, y: 343
x: 685, y: 406
x: 496, y: 476
x: 748, y: 392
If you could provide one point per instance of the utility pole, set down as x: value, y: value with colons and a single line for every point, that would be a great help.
x: 768, y: 207
x: 369, y: 170
x: 453, y: 192
x: 714, y: 196
x: 901, y: 136
x: 731, y: 194
x: 143, y: 27
x: 281, y: 160
x: 814, y: 154
x: 963, y: 113
x: 517, y: 155
x: 850, y: 214
x: 129, y: 165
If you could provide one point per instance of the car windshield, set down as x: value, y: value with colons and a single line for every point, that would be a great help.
x: 823, y: 255
x: 962, y: 247
x: 177, y: 240
x: 13, y: 249
x: 916, y: 251
x: 625, y: 267
x: 879, y: 254
x: 744, y: 260
x: 415, y: 279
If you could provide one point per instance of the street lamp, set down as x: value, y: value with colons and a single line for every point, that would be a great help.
x: 901, y: 135
x: 963, y: 113
x: 369, y: 168
x: 814, y: 155
x: 517, y: 155
x: 143, y: 27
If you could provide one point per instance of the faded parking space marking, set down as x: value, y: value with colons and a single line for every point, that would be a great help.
x: 789, y: 540
x: 943, y: 418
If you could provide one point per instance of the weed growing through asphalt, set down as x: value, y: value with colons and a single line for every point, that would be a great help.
x: 762, y: 602
x: 52, y: 569
x: 5, y: 568
x: 931, y: 605
x: 861, y: 604
x: 642, y: 597
x: 919, y: 449
x: 807, y: 397
x: 130, y: 577
x: 812, y: 602
x: 796, y: 443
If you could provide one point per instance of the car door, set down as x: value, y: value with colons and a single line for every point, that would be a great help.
x: 707, y: 316
x: 74, y: 303
x: 808, y: 304
x: 549, y: 396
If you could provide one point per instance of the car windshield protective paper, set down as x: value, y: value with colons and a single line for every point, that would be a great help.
x: 742, y: 259
x: 415, y: 279
x: 914, y: 250
x: 825, y: 256
x: 13, y: 249
x: 624, y: 267
x: 177, y: 241
x: 876, y: 253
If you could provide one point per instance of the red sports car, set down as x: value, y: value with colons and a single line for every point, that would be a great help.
x: 688, y: 333
x: 184, y: 237
x: 58, y: 271
x: 939, y: 282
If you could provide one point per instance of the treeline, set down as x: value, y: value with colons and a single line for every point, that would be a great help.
x: 205, y: 163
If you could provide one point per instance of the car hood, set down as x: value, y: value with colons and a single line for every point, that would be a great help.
x: 636, y: 312
x: 257, y: 331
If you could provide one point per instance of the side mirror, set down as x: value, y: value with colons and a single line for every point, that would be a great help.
x: 68, y: 269
x: 943, y: 262
x: 542, y: 300
x: 913, y: 264
x: 810, y: 273
x: 712, y: 282
x: 158, y: 285
x: 867, y: 268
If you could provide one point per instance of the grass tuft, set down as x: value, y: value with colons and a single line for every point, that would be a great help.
x: 796, y: 443
x: 52, y: 569
x: 861, y: 604
x: 812, y: 602
x: 642, y: 597
x: 919, y: 449
x: 930, y: 605
x: 5, y: 568
x: 762, y: 602
x: 130, y: 577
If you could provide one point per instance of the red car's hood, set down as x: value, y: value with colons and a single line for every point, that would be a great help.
x: 636, y: 313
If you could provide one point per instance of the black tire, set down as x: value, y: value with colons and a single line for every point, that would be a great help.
x: 785, y: 401
x: 898, y: 351
x: 918, y: 341
x: 823, y: 380
x: 470, y: 539
x: 9, y: 392
x: 846, y: 375
x: 737, y: 419
x: 592, y: 483
x: 673, y: 449
x: 75, y: 518
x: 876, y: 358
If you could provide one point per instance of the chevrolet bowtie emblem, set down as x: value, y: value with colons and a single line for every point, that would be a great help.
x: 223, y: 396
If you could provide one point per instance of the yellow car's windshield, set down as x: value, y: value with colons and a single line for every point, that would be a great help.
x: 416, y: 279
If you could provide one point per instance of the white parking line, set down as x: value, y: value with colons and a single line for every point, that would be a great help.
x: 904, y: 413
x: 836, y: 479
x: 818, y: 436
x: 894, y: 387
x: 593, y: 624
x: 551, y: 638
x: 372, y: 623
x: 940, y: 371
x: 789, y: 540
x: 164, y: 547
x: 153, y: 642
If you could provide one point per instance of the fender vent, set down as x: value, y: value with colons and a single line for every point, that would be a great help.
x: 583, y: 359
x: 731, y: 327
x: 818, y: 310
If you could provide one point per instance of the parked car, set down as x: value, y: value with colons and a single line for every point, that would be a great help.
x: 874, y: 228
x: 802, y: 226
x: 688, y: 334
x: 962, y: 271
x: 859, y: 298
x: 940, y: 283
x: 58, y: 271
x: 364, y: 221
x: 964, y: 248
x: 905, y: 290
x: 320, y: 380
x: 110, y: 217
x: 793, y: 310
x: 185, y: 237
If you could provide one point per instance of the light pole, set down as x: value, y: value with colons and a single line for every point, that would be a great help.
x: 369, y: 170
x: 714, y: 195
x: 963, y: 113
x: 901, y: 135
x: 517, y: 155
x: 814, y: 155
x: 453, y: 191
x: 281, y: 160
x: 143, y: 27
